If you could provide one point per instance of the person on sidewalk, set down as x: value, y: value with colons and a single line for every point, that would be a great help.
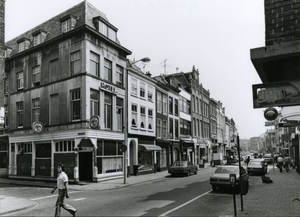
x: 62, y: 185
x: 280, y: 162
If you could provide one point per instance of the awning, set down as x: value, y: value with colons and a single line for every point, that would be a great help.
x: 149, y: 147
x: 189, y: 141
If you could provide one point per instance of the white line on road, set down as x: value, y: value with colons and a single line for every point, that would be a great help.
x: 54, y: 195
x: 182, y: 205
x: 79, y: 199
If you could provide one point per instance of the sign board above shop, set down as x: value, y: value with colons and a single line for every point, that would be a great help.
x: 276, y: 94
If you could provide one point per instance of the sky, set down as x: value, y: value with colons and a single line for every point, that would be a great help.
x: 215, y: 36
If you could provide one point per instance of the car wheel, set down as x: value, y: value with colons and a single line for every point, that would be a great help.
x: 196, y: 171
x: 188, y: 173
x: 214, y: 188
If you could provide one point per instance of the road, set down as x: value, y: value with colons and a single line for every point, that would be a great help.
x: 171, y: 196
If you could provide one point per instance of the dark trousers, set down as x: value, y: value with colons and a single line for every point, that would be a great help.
x: 60, y: 203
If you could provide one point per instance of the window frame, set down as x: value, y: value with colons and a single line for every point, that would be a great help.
x: 74, y: 94
x: 108, y: 70
x: 96, y: 62
x: 20, y: 80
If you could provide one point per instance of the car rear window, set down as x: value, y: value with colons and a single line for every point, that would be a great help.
x: 228, y: 170
x: 255, y: 162
x: 180, y: 163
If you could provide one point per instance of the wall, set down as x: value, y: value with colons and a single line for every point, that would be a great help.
x: 2, y: 43
x: 282, y: 19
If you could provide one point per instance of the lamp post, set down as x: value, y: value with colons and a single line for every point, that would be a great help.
x: 145, y: 59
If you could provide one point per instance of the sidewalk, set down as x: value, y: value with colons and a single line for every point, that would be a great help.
x: 262, y: 199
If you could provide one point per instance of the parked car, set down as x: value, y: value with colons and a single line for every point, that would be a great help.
x: 268, y: 158
x: 183, y: 168
x: 258, y: 165
x: 220, y: 177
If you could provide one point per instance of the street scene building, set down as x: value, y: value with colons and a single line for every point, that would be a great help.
x: 71, y: 95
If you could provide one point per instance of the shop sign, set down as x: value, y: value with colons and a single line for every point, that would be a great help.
x: 166, y: 135
x: 94, y: 122
x: 37, y: 127
x: 276, y: 94
x: 107, y: 87
x: 270, y: 114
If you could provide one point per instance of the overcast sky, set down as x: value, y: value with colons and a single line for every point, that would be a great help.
x: 215, y: 36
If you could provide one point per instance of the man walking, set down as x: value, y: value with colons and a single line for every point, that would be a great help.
x: 62, y: 185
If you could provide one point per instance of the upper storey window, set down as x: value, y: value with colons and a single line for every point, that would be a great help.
x: 106, y: 28
x: 67, y: 23
x: 23, y: 44
x: 39, y: 37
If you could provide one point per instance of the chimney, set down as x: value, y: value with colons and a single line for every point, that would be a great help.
x: 148, y: 74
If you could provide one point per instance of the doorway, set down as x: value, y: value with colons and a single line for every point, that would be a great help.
x: 85, y: 166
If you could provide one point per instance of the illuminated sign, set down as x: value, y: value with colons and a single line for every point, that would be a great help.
x: 107, y: 87
x: 271, y: 114
x: 276, y: 94
x: 94, y: 122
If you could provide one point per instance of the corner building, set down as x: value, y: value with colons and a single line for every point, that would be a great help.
x: 65, y: 97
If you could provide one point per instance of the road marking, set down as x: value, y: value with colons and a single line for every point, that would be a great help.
x: 79, y: 199
x: 182, y: 205
x: 54, y: 195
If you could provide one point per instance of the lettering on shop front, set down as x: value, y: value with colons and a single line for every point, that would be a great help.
x: 107, y: 87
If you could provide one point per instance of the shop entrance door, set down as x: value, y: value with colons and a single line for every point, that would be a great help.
x: 85, y: 166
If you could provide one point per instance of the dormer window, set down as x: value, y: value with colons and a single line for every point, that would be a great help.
x: 105, y: 28
x: 23, y: 44
x: 38, y: 37
x: 8, y: 51
x: 67, y: 23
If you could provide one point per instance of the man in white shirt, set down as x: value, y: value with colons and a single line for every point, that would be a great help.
x: 62, y: 185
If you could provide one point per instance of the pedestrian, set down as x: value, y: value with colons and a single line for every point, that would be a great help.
x: 248, y: 160
x: 62, y: 185
x: 280, y: 162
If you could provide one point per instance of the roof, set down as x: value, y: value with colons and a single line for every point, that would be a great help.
x: 84, y: 13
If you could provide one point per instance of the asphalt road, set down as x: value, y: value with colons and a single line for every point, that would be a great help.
x: 171, y: 196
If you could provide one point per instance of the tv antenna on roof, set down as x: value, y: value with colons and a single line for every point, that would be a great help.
x: 165, y: 66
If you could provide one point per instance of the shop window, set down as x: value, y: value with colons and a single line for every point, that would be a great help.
x: 25, y: 148
x: 145, y: 161
x: 43, y: 150
x: 65, y: 146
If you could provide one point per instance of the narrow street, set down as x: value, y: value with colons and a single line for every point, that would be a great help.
x: 170, y: 196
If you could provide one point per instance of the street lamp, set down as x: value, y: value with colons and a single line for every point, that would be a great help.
x: 145, y: 59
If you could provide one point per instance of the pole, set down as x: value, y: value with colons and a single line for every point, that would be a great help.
x: 238, y: 144
x: 234, y: 202
x: 125, y: 168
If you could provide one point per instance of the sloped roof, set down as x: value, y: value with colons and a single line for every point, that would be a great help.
x: 84, y: 13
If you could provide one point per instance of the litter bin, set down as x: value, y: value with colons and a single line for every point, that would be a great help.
x: 244, y: 187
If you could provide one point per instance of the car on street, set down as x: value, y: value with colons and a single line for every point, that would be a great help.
x: 182, y: 168
x: 220, y: 178
x: 268, y: 158
x: 257, y: 166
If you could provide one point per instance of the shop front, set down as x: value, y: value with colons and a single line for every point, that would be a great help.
x: 188, y: 149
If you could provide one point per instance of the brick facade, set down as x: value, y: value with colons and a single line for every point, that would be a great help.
x: 282, y: 19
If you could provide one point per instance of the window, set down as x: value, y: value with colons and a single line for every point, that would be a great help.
x: 36, y: 74
x: 107, y: 31
x: 164, y: 127
x: 37, y: 39
x: 25, y: 148
x: 53, y: 69
x: 170, y: 105
x: 35, y: 109
x: 150, y: 93
x: 107, y: 70
x: 176, y: 107
x: 54, y: 109
x: 164, y: 104
x: 120, y: 72
x: 176, y: 129
x: 94, y: 99
x: 112, y: 34
x: 75, y: 63
x: 134, y: 115
x: 68, y: 23
x: 5, y: 85
x: 158, y: 128
x: 94, y: 64
x: 134, y: 86
x: 171, y: 127
x: 65, y: 146
x: 150, y: 119
x: 5, y: 115
x: 119, y: 114
x: 75, y: 105
x: 20, y: 80
x: 159, y: 105
x: 103, y: 28
x: 21, y: 46
x: 143, y: 117
x: 142, y: 90
x: 107, y: 111
x: 19, y: 114
x: 43, y: 150
x: 185, y: 127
